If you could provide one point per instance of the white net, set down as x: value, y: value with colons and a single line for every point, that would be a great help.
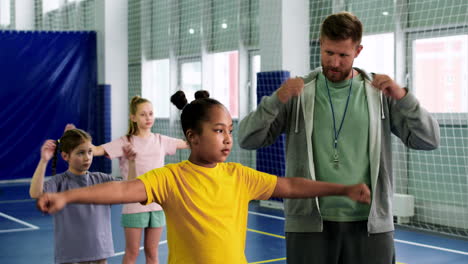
x: 64, y: 15
x: 216, y: 45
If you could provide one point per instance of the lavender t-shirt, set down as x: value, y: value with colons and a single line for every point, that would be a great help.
x: 82, y: 232
x: 150, y: 155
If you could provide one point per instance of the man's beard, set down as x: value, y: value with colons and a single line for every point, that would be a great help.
x: 335, y: 77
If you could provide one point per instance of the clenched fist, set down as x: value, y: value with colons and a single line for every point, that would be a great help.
x: 51, y: 202
x: 388, y: 86
x: 290, y: 88
x: 359, y: 192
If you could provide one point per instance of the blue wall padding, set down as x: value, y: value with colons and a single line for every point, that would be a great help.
x: 48, y: 79
x: 271, y: 159
x: 103, y: 125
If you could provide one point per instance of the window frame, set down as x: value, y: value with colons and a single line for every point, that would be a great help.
x: 392, y: 74
x: 7, y: 13
x: 147, y: 82
x: 61, y: 3
x: 444, y: 119
x: 210, y: 85
x: 252, y: 90
x: 180, y: 62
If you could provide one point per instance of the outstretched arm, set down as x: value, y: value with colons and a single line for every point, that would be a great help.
x: 37, y: 182
x: 182, y: 144
x: 106, y: 193
x: 304, y: 188
x: 98, y: 151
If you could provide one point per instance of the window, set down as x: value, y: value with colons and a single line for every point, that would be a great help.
x: 49, y: 5
x: 191, y: 80
x: 377, y: 54
x: 255, y: 62
x: 4, y: 13
x: 225, y: 80
x: 156, y: 86
x: 440, y: 69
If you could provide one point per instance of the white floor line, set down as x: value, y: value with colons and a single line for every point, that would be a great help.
x: 141, y: 248
x: 266, y: 215
x: 17, y: 201
x: 18, y: 230
x: 431, y: 247
x: 24, y: 180
x: 396, y: 240
x: 30, y: 226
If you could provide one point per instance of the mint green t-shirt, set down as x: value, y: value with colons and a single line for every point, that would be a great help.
x: 352, y: 145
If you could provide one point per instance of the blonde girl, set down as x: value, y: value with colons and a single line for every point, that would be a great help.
x: 150, y: 148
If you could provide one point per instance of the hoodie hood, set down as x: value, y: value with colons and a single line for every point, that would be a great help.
x: 312, y: 77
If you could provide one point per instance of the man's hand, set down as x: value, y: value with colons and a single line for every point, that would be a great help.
x: 359, y: 192
x: 388, y: 86
x: 290, y: 88
x: 51, y: 202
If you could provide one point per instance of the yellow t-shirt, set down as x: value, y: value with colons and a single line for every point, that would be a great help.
x: 206, y: 208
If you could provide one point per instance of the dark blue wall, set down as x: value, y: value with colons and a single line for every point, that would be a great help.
x: 47, y: 79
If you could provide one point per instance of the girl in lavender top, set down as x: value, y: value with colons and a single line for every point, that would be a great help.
x: 82, y: 232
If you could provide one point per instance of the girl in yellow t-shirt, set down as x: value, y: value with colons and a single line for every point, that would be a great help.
x: 205, y: 199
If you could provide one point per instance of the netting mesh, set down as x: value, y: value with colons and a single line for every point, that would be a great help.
x: 64, y: 15
x: 423, y: 44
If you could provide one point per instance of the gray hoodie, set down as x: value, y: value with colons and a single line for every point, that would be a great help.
x: 404, y: 118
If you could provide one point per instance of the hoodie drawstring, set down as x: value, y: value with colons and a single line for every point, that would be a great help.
x: 296, y: 129
x: 382, y: 113
x: 381, y: 106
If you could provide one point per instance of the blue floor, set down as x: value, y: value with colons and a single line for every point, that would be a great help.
x: 26, y: 236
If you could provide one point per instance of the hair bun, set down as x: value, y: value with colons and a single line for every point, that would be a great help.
x: 135, y: 99
x: 200, y: 94
x: 179, y: 99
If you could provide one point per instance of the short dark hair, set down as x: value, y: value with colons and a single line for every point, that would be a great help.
x: 342, y: 26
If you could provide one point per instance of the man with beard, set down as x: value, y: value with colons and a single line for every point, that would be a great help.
x: 338, y: 122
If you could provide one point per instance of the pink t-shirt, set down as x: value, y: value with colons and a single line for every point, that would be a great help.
x: 150, y: 155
